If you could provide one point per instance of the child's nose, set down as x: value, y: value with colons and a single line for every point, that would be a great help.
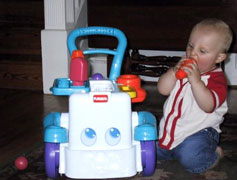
x: 193, y: 53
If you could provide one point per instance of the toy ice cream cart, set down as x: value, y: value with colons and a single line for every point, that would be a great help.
x: 100, y: 137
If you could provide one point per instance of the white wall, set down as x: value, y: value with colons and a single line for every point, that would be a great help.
x: 231, y: 69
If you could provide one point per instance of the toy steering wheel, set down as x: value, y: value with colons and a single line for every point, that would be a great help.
x: 107, y: 31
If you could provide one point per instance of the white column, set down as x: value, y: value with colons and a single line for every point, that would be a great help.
x: 70, y: 14
x: 54, y: 57
x: 61, y: 16
x: 55, y: 14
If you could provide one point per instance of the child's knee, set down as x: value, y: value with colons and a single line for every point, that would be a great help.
x: 187, y: 160
x: 196, y: 161
x: 192, y: 158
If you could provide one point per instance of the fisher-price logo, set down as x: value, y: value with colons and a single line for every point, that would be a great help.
x: 100, y: 98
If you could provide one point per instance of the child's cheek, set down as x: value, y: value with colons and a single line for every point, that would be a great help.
x: 202, y: 66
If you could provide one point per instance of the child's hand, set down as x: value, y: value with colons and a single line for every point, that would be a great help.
x: 193, y: 73
x: 179, y: 64
x: 179, y: 68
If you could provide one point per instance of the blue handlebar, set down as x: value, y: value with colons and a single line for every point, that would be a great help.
x: 118, y: 54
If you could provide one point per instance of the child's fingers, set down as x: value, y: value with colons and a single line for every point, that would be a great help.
x: 180, y: 63
x: 184, y: 58
x: 191, y: 69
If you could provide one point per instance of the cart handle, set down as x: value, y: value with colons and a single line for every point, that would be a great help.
x: 107, y: 31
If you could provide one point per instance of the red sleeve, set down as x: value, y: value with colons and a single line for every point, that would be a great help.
x: 217, y: 83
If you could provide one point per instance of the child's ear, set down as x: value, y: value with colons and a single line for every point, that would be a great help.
x: 221, y: 57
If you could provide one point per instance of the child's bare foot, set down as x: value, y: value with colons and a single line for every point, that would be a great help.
x: 220, y: 153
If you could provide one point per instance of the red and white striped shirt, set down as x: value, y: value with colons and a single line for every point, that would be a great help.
x: 183, y: 117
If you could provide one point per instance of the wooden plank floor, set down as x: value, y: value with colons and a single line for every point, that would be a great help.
x: 22, y: 114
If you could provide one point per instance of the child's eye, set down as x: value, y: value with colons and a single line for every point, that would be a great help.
x: 190, y: 46
x: 202, y: 51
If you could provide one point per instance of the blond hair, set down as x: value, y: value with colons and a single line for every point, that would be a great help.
x: 220, y: 27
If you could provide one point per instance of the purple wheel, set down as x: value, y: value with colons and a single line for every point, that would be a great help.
x: 51, y: 157
x: 148, y: 149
